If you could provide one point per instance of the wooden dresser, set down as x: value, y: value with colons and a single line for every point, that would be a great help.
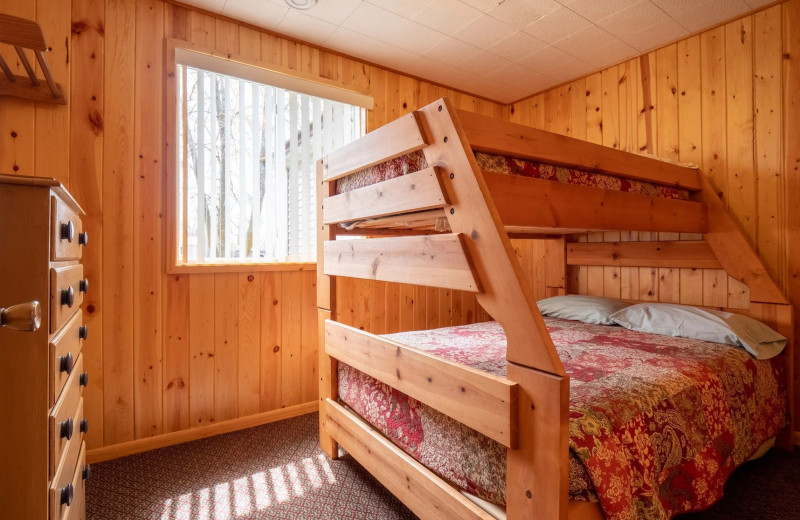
x: 42, y: 454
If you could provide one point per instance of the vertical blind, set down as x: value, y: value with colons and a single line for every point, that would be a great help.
x: 247, y: 167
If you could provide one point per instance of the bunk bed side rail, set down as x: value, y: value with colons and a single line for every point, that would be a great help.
x: 536, y: 203
x: 486, y: 134
x: 692, y: 254
x: 401, y: 136
x: 416, y: 486
x: 482, y: 401
x: 432, y: 260
x: 418, y: 191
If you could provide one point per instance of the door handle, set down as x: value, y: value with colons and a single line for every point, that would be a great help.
x: 25, y: 316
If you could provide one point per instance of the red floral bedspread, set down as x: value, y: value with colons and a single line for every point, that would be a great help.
x: 501, y: 164
x: 657, y: 424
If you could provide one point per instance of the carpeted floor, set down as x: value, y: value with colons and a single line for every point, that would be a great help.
x: 277, y: 471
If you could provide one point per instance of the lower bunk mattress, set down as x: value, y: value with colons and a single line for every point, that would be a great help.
x: 657, y: 423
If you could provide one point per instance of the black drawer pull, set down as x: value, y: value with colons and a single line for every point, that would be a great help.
x: 84, y: 379
x: 67, y: 231
x: 83, y: 238
x: 87, y: 472
x: 83, y: 285
x: 83, y: 332
x: 67, y: 363
x: 84, y: 425
x: 67, y: 495
x: 68, y: 297
x: 67, y: 429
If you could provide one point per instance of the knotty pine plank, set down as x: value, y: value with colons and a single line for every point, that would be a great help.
x: 147, y: 226
x: 202, y: 29
x: 249, y: 341
x: 17, y: 116
x: 271, y: 339
x: 118, y: 223
x: 175, y: 375
x: 291, y: 338
x: 226, y: 345
x: 309, y: 337
x: 666, y: 87
x: 52, y: 122
x: 87, y: 57
x: 739, y: 89
x: 201, y: 349
x: 714, y: 115
x: 689, y: 109
x: 770, y: 178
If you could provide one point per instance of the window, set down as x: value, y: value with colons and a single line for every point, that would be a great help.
x: 247, y: 148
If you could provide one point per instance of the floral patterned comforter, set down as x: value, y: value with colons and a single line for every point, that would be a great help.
x: 509, y: 165
x: 657, y: 423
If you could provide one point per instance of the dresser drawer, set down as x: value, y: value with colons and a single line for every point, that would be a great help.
x: 67, y: 286
x: 64, y: 350
x: 67, y: 415
x: 68, y: 489
x: 67, y: 237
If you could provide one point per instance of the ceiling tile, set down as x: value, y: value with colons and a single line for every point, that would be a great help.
x: 557, y: 25
x: 415, y: 37
x: 656, y: 35
x: 516, y: 46
x: 452, y: 51
x: 675, y: 7
x: 520, y: 13
x: 215, y: 6
x: 583, y: 41
x: 483, y: 63
x: 334, y: 12
x: 373, y: 21
x: 406, y: 8
x: 596, y: 10
x: 352, y: 43
x: 509, y: 94
x: 609, y: 54
x: 447, y: 16
x: 533, y: 81
x: 569, y: 69
x: 425, y: 67
x: 633, y: 19
x: 256, y: 12
x: 507, y: 75
x: 758, y: 3
x: 303, y: 27
x: 546, y: 58
x: 711, y: 13
x: 484, y: 32
x: 483, y: 5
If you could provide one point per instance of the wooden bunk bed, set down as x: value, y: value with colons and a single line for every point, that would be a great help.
x: 448, y: 225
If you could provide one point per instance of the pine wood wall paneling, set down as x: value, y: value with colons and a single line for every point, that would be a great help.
x: 17, y: 116
x: 118, y: 225
x: 770, y: 176
x: 147, y: 226
x: 86, y: 141
x: 791, y: 154
x: 271, y: 334
x: 51, y: 147
x: 248, y: 361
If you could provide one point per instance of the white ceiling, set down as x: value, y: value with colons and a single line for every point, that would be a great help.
x: 499, y: 49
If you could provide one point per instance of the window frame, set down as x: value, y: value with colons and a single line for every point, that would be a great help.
x: 251, y: 70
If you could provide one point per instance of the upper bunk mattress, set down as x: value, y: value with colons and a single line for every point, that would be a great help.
x: 512, y: 166
x: 657, y: 423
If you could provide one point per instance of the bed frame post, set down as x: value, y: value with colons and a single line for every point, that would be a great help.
x: 326, y: 310
x: 537, y: 479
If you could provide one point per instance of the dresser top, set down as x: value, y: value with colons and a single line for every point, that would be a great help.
x: 47, y: 182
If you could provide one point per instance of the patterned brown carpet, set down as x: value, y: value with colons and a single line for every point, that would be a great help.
x: 277, y: 471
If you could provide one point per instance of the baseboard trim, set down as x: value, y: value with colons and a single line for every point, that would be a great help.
x: 192, y: 434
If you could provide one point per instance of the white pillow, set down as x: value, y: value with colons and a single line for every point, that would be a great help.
x: 703, y: 324
x: 588, y: 309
